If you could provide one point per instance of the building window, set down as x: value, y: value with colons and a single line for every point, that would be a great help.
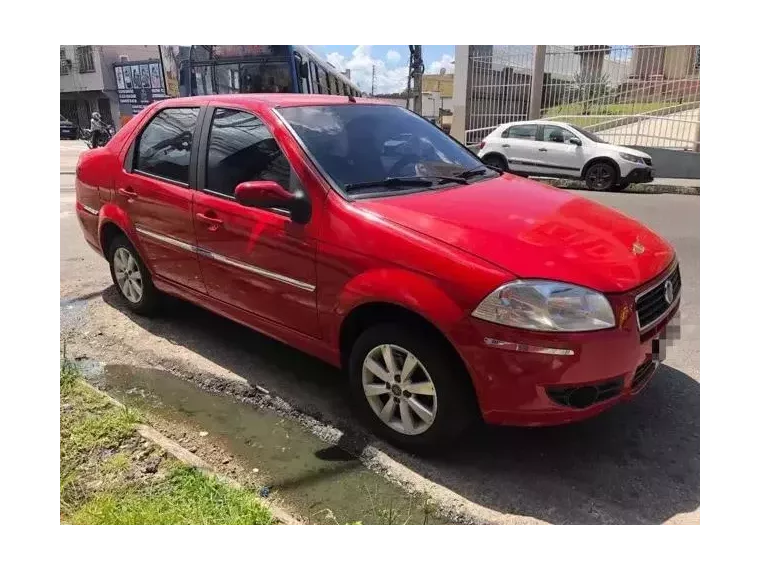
x: 85, y: 62
x: 64, y: 62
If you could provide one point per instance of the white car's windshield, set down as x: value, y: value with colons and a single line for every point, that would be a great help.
x: 358, y: 145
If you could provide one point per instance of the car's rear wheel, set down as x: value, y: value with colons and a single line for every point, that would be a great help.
x: 131, y: 277
x: 496, y: 161
x: 601, y: 176
x: 408, y: 387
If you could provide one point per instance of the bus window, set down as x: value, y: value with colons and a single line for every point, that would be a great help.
x: 266, y: 77
x: 333, y: 88
x: 313, y: 77
x: 302, y: 72
x: 322, y: 81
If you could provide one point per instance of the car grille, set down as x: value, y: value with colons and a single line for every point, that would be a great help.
x: 580, y: 397
x: 648, y: 161
x: 652, y: 304
x: 643, y: 373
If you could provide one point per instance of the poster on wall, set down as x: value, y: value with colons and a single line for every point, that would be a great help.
x: 170, y: 64
x: 145, y: 73
x: 127, y: 75
x: 155, y: 76
x: 136, y: 80
x: 139, y: 86
x: 120, y: 78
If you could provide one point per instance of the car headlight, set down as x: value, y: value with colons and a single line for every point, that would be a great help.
x: 631, y: 158
x: 546, y: 306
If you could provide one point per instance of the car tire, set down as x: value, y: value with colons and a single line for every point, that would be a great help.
x: 496, y: 161
x: 440, y: 403
x: 601, y: 176
x: 131, y: 277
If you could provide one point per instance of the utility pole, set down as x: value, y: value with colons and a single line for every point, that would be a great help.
x: 416, y: 70
x: 373, y: 80
x: 537, y: 83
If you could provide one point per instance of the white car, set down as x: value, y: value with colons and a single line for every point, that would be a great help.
x: 550, y: 148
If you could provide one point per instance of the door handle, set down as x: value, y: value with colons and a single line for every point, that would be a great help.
x: 505, y: 145
x: 128, y: 193
x: 211, y: 219
x: 542, y: 149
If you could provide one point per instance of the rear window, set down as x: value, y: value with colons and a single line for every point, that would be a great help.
x: 521, y: 132
x: 166, y: 144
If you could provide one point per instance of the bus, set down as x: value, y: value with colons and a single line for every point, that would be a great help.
x: 213, y: 70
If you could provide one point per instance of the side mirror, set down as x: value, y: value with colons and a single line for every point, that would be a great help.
x: 268, y: 194
x: 575, y: 140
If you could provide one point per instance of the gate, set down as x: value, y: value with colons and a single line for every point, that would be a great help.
x: 632, y: 95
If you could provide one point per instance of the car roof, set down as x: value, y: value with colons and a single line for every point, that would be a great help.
x: 277, y: 100
x: 538, y: 122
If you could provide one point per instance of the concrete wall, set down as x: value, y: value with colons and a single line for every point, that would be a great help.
x: 673, y: 163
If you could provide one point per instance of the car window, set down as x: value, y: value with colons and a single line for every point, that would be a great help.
x: 365, y: 143
x: 166, y: 143
x: 527, y: 132
x: 242, y: 149
x: 557, y: 134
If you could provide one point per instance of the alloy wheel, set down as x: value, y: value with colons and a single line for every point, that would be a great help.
x: 128, y: 275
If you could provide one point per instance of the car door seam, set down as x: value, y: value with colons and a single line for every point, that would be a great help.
x: 233, y: 262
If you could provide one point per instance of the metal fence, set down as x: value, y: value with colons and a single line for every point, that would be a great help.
x: 629, y: 95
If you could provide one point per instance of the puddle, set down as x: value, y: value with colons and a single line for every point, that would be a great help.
x: 307, y: 473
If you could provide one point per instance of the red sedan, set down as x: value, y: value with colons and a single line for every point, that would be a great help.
x: 360, y: 233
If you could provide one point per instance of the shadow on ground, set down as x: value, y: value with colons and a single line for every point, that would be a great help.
x: 637, y: 463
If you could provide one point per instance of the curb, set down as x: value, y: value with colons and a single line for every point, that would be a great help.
x: 189, y: 458
x: 632, y: 189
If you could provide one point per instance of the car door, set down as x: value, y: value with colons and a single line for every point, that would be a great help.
x: 519, y: 145
x: 154, y: 189
x: 561, y: 157
x: 255, y: 259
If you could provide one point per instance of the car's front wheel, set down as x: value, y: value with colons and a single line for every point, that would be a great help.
x: 601, y: 176
x: 408, y: 387
x: 131, y: 277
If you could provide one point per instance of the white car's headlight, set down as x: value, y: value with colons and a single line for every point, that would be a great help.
x: 546, y: 306
x: 631, y: 158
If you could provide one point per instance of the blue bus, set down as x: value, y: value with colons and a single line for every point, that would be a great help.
x: 213, y: 70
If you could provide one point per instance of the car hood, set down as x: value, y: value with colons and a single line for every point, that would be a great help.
x: 534, y: 231
x: 616, y: 148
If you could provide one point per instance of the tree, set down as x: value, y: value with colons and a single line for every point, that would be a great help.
x: 589, y: 88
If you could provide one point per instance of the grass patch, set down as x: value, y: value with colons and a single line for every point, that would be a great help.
x: 111, y: 475
x: 606, y: 109
x: 185, y: 497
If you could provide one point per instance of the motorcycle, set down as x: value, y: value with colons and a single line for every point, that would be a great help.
x: 86, y: 136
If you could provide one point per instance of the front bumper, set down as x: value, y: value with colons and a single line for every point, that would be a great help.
x: 643, y: 174
x: 517, y: 387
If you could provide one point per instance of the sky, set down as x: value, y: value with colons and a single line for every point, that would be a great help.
x: 391, y: 63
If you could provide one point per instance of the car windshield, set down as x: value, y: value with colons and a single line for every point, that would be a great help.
x: 358, y: 145
x: 589, y: 135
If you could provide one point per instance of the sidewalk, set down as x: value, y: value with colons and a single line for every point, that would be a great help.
x: 686, y: 186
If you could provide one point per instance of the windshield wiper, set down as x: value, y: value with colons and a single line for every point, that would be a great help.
x: 396, y: 181
x: 477, y: 170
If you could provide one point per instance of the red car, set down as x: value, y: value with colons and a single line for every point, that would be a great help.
x: 360, y: 233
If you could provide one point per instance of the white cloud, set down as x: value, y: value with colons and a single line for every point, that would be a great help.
x: 446, y: 62
x: 393, y: 56
x: 389, y: 76
x: 387, y: 80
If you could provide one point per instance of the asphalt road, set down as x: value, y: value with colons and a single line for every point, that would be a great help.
x: 637, y: 463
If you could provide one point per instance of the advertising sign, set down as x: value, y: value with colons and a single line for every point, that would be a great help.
x: 139, y: 84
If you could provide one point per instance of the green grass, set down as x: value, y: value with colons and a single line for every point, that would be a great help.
x: 103, y: 479
x: 185, y: 497
x: 606, y: 109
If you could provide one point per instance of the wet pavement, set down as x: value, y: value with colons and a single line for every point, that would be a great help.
x: 316, y: 480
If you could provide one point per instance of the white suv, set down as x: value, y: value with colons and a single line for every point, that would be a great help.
x: 550, y: 148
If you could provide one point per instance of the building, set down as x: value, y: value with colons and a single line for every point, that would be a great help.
x: 442, y: 83
x: 88, y: 81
